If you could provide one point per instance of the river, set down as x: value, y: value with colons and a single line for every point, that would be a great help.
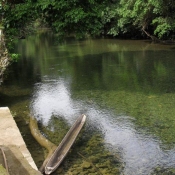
x: 126, y: 88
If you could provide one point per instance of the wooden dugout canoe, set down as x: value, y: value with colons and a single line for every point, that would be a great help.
x: 65, y: 145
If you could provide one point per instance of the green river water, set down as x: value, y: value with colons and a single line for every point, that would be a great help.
x: 126, y: 88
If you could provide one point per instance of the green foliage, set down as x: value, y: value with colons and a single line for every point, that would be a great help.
x: 155, y: 14
x: 73, y: 17
x: 93, y: 17
x: 16, y: 18
x: 14, y: 57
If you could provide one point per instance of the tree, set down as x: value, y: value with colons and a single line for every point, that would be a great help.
x: 164, y: 22
x: 148, y: 16
x: 17, y: 15
x: 78, y: 17
x: 127, y: 18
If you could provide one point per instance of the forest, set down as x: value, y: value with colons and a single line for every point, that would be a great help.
x: 124, y: 19
x: 131, y: 19
x: 135, y: 84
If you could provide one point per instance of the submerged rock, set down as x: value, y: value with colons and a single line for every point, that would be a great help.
x: 86, y: 165
x: 163, y: 171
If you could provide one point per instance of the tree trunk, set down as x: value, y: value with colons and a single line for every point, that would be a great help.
x: 155, y: 39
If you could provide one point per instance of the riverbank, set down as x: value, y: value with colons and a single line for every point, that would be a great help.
x: 4, y: 57
x: 19, y: 160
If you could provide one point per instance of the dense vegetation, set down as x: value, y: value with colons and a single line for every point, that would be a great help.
x: 122, y: 18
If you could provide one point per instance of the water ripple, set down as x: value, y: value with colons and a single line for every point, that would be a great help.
x: 140, y: 152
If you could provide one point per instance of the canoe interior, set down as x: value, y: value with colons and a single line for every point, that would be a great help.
x: 65, y: 145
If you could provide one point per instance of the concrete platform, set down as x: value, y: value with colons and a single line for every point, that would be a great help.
x: 19, y: 159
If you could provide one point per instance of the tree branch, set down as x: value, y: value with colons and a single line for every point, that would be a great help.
x: 148, y: 34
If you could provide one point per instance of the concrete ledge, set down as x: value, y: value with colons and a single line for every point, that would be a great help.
x: 11, y: 141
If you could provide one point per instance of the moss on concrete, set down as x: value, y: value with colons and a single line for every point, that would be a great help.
x: 3, y: 170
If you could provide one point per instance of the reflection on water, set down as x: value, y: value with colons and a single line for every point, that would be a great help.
x: 52, y: 98
x: 140, y: 153
x: 119, y: 85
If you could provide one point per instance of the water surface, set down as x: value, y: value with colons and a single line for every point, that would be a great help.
x: 126, y: 88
